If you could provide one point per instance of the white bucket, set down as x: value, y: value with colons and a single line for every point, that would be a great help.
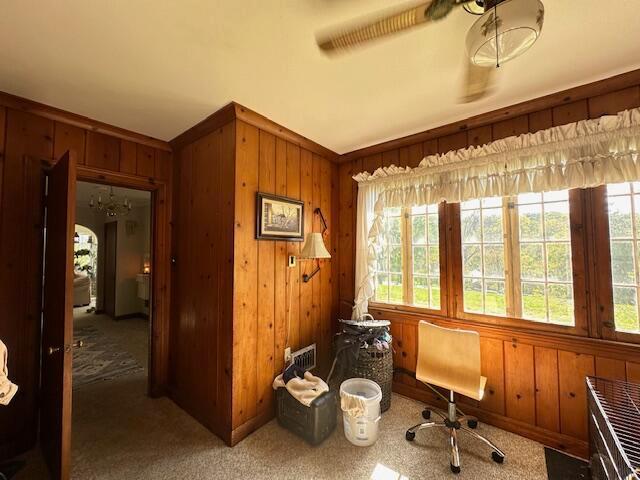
x: 362, y: 430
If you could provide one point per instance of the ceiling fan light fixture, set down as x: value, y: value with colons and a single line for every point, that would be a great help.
x: 505, y: 32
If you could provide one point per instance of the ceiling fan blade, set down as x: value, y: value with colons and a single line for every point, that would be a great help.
x: 382, y: 27
x: 478, y: 82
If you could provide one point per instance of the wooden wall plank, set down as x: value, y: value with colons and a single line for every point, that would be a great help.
x: 547, y: 389
x: 281, y: 272
x: 389, y: 158
x: 409, y: 352
x: 512, y: 127
x: 371, y: 163
x: 316, y: 287
x: 224, y: 389
x: 103, y: 151
x: 145, y: 161
x: 571, y: 112
x: 3, y: 123
x: 164, y: 160
x: 492, y: 367
x: 20, y: 270
x: 572, y: 370
x: 128, y: 157
x: 306, y: 288
x: 245, y: 308
x: 519, y: 379
x: 326, y: 272
x: 479, y: 136
x: 614, y: 102
x: 540, y: 120
x: 610, y: 368
x: 293, y: 248
x: 415, y: 154
x: 346, y: 237
x: 68, y: 137
x: 633, y: 372
x: 452, y: 142
x: 266, y: 281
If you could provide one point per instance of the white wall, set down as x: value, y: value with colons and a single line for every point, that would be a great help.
x: 131, y: 250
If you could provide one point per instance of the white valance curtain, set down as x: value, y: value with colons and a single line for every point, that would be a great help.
x: 584, y: 154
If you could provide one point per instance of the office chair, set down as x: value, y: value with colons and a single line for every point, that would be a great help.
x: 450, y: 359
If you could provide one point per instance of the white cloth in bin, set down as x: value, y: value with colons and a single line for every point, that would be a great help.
x: 353, y: 405
x: 7, y: 389
x: 305, y: 390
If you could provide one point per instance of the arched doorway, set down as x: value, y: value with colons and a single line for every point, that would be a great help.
x: 85, y: 251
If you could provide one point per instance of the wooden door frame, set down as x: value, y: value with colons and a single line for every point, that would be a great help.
x: 159, y: 308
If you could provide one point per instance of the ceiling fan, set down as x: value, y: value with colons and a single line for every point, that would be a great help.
x: 504, y: 30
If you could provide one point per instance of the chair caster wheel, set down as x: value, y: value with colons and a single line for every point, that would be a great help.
x: 426, y: 414
x: 455, y: 469
x: 410, y: 436
x: 497, y: 457
x: 473, y: 424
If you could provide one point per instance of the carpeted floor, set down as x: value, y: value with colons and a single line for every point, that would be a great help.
x: 119, y: 433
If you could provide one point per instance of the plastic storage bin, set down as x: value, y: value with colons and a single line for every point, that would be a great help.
x: 362, y: 430
x: 313, y: 423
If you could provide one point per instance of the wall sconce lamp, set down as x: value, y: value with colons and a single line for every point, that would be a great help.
x: 314, y: 248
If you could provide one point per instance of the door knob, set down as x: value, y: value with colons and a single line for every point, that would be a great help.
x: 67, y: 348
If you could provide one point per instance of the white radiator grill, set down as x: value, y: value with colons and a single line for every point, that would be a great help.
x: 305, y: 357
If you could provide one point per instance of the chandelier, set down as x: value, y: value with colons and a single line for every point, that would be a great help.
x: 112, y: 206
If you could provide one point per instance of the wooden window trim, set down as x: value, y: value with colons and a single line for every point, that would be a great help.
x: 580, y: 327
x: 604, y: 313
x: 407, y: 263
x: 591, y: 263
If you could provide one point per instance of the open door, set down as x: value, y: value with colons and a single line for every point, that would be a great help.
x: 57, y: 323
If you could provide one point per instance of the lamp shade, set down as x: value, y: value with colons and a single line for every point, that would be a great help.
x: 504, y: 33
x: 314, y: 247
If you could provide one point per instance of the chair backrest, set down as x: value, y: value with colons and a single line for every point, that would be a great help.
x: 450, y: 358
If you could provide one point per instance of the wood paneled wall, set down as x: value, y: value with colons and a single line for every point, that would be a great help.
x: 535, y: 386
x: 29, y: 134
x: 231, y: 300
x: 262, y: 280
x: 202, y: 306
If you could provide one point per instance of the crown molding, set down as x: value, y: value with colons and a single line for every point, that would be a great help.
x: 235, y: 111
x: 581, y: 92
x: 52, y: 113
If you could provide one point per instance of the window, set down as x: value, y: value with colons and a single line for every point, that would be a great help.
x: 425, y: 257
x: 389, y: 262
x: 623, y: 203
x: 516, y: 257
x: 408, y: 264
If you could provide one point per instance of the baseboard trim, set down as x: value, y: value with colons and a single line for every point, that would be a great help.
x: 559, y: 441
x: 131, y: 315
x: 240, y: 433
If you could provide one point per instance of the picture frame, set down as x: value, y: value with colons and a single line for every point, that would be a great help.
x: 279, y: 218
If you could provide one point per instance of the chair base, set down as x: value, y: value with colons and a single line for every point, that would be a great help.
x: 452, y: 422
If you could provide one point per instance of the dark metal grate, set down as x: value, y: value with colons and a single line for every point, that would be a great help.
x: 614, y: 428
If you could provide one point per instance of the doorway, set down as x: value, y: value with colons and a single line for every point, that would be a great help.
x: 112, y: 275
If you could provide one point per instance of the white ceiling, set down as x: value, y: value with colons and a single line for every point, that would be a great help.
x: 159, y: 66
x: 84, y: 191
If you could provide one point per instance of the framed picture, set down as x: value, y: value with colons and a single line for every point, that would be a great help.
x: 279, y: 218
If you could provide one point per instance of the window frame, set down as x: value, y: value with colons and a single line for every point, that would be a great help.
x: 407, y: 264
x: 604, y: 322
x: 591, y: 264
x: 578, y: 261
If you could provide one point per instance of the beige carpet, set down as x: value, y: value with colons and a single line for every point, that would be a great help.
x: 119, y: 433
